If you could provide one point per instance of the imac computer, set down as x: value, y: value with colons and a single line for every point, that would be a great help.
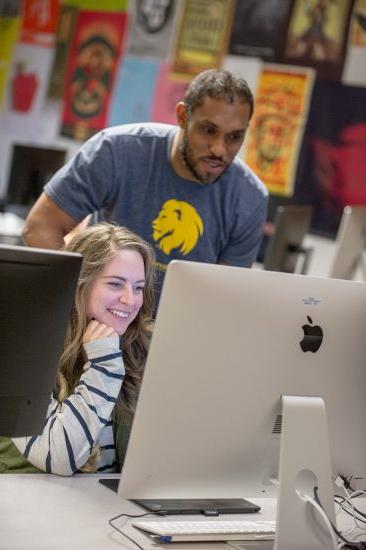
x: 37, y: 289
x: 349, y: 260
x: 284, y: 250
x: 237, y: 356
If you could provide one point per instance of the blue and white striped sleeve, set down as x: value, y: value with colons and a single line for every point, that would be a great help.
x: 73, y: 427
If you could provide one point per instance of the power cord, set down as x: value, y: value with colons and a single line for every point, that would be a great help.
x: 129, y: 516
x: 345, y: 542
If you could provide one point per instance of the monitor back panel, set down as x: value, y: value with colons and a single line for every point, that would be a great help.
x: 225, y: 348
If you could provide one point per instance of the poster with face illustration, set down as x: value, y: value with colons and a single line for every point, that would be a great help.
x: 276, y: 129
x: 317, y: 35
x: 151, y: 27
x: 90, y: 74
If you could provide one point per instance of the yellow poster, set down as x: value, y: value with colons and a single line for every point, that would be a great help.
x: 276, y: 130
x: 203, y: 34
x: 9, y: 32
x: 358, y: 24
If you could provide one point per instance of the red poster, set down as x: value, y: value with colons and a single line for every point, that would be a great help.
x: 90, y: 74
x: 39, y: 21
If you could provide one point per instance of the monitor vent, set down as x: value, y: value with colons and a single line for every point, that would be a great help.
x: 277, y: 427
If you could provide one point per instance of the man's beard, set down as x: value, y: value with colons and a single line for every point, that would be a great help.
x: 185, y: 152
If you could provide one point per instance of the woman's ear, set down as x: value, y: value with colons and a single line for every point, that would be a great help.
x: 181, y: 114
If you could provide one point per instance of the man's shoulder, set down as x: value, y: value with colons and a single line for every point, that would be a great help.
x: 144, y: 130
x: 242, y: 174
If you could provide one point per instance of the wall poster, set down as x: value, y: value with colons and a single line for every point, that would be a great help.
x: 90, y: 74
x: 275, y: 133
x: 203, y: 33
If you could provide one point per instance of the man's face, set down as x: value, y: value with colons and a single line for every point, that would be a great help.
x: 212, y: 136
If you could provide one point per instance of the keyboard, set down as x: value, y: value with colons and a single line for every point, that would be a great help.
x: 202, y: 530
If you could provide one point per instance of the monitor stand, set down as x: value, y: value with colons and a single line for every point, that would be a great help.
x: 304, y: 464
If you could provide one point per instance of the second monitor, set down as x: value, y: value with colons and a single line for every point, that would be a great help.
x: 285, y: 246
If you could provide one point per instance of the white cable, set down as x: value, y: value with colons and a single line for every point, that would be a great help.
x: 325, y: 519
x: 348, y: 501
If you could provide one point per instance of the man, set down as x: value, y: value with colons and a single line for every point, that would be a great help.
x: 181, y: 188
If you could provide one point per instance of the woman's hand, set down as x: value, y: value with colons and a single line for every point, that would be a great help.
x: 96, y: 331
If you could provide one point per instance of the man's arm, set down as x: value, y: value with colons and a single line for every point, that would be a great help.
x: 47, y: 224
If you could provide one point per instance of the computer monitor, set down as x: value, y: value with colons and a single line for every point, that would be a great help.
x: 37, y: 290
x: 350, y: 244
x: 284, y: 249
x: 228, y: 344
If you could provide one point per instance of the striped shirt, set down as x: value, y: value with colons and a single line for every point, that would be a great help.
x: 84, y: 419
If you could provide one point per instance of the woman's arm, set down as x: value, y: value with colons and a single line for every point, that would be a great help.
x: 74, y: 426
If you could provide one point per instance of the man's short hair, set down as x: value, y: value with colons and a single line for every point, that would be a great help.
x: 217, y: 84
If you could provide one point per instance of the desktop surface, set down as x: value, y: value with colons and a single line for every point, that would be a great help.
x: 48, y: 512
x: 43, y: 512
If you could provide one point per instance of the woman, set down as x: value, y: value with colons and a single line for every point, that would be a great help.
x: 111, y: 318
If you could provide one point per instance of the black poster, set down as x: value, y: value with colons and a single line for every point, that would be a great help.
x: 332, y: 164
x: 259, y: 27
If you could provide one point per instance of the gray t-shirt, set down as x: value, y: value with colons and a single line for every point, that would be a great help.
x: 125, y: 174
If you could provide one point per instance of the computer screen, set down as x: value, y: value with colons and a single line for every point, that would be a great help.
x: 284, y: 248
x: 350, y: 244
x: 31, y: 168
x: 36, y: 295
x: 228, y: 343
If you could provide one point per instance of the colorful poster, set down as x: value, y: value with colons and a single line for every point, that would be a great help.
x: 276, y: 129
x: 358, y: 24
x: 250, y: 69
x: 167, y: 94
x: 26, y: 89
x: 90, y: 74
x: 133, y: 92
x: 151, y: 27
x: 9, y: 32
x: 64, y: 35
x: 332, y: 165
x: 355, y: 64
x: 98, y: 5
x: 259, y: 28
x: 39, y: 21
x: 317, y: 35
x: 203, y: 33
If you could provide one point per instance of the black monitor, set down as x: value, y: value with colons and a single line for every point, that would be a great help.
x: 31, y: 168
x: 36, y: 294
x: 285, y: 248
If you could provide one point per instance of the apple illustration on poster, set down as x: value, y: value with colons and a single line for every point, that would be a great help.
x: 24, y: 88
x: 313, y: 336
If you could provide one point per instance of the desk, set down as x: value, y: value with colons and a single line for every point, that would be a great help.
x: 47, y: 512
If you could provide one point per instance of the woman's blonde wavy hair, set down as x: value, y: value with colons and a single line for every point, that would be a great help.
x: 98, y: 244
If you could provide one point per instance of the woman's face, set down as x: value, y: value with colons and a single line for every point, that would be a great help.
x: 116, y: 295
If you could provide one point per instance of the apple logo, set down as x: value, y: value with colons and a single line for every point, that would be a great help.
x: 313, y: 336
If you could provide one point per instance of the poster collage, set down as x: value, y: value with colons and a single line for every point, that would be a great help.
x: 110, y: 62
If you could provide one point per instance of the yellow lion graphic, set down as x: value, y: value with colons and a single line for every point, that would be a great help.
x: 178, y: 225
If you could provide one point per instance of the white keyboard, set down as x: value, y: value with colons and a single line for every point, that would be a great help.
x: 200, y: 530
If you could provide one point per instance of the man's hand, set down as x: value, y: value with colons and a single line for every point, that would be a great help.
x: 96, y: 331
